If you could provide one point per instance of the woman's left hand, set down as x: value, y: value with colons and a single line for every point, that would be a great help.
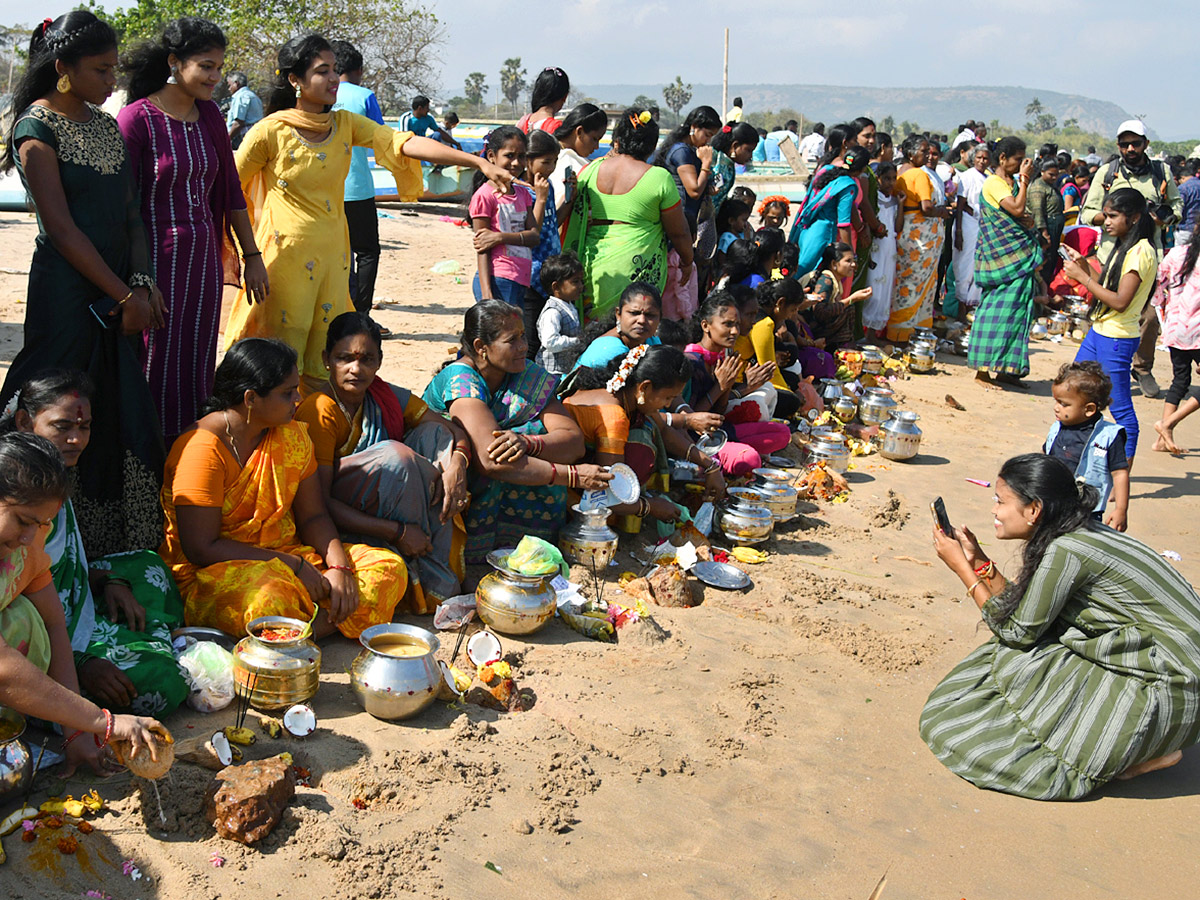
x: 714, y: 484
x: 258, y: 287
x: 158, y: 307
x: 501, y: 179
x: 455, y: 496
x: 508, y: 447
x: 950, y: 551
x: 343, y: 594
x: 121, y: 602
x: 485, y: 239
x: 757, y: 376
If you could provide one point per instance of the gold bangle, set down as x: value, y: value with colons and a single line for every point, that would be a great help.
x: 971, y: 589
x: 125, y: 298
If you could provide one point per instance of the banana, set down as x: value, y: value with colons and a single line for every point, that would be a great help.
x: 270, y: 727
x: 14, y: 819
x: 748, y: 555
x: 243, y: 736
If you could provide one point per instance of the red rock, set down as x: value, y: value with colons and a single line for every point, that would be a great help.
x: 245, y: 802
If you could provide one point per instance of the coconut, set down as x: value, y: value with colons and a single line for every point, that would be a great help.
x: 483, y: 648
x: 142, y: 764
x: 300, y: 721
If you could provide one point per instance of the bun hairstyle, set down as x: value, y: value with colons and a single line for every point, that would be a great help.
x: 252, y: 364
x: 912, y: 144
x: 636, y: 133
x: 832, y: 253
x: 734, y: 133
x: 68, y: 38
x: 551, y: 86
x: 486, y: 321
x: 1066, y: 507
x: 295, y: 57
x: 587, y: 116
x: 146, y: 67
x: 31, y: 470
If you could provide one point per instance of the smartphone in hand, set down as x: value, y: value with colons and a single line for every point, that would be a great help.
x: 938, y: 508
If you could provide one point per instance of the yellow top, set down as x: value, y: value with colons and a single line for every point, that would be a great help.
x: 294, y: 192
x: 1143, y: 259
x: 762, y: 338
x: 915, y: 185
x: 996, y: 189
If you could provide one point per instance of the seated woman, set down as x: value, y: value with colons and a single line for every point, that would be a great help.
x: 523, y: 442
x: 37, y: 668
x: 125, y: 665
x: 1094, y: 665
x: 716, y: 374
x: 639, y: 310
x: 832, y: 313
x: 779, y: 302
x: 375, y: 445
x: 247, y: 530
x: 613, y: 406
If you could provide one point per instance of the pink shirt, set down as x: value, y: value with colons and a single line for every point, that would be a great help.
x: 506, y: 214
x: 1178, y: 304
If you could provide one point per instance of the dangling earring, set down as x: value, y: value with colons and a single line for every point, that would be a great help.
x: 64, y: 83
x: 297, y: 92
x: 171, y: 78
x: 641, y: 399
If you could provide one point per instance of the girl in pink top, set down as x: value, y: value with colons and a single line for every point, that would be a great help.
x: 1177, y: 298
x: 507, y: 227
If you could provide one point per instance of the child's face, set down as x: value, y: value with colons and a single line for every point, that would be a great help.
x: 738, y: 224
x: 1116, y: 224
x: 511, y: 157
x: 887, y: 183
x: 543, y: 165
x: 1070, y: 407
x: 569, y: 289
x: 774, y: 216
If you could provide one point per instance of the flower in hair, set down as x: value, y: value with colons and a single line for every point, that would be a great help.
x: 625, y: 369
x: 726, y: 129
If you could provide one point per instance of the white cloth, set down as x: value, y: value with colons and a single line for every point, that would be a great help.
x: 812, y: 147
x: 939, y: 186
x: 567, y: 158
x: 965, y: 135
x: 970, y: 189
x: 881, y: 278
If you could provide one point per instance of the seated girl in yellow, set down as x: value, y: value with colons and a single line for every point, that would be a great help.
x: 247, y: 530
x: 392, y: 471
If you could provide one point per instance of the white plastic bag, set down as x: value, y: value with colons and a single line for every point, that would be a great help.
x: 209, y: 669
x: 455, y: 611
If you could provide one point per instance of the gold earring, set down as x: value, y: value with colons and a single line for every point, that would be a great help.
x: 64, y: 83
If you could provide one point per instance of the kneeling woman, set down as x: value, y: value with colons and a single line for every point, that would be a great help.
x: 247, y: 530
x: 613, y: 406
x: 37, y: 671
x: 393, y: 472
x: 716, y: 373
x: 126, y: 665
x: 1094, y: 666
x: 522, y: 439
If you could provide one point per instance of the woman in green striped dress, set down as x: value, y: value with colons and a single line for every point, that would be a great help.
x: 1093, y: 669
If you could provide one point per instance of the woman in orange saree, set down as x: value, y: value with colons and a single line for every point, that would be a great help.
x: 247, y: 530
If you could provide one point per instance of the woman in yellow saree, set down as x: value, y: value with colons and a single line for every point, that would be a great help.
x: 247, y: 530
x: 293, y: 166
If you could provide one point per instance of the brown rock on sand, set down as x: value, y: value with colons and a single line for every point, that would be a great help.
x: 245, y: 802
x: 669, y: 587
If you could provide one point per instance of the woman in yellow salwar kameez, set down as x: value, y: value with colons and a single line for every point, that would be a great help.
x: 293, y: 166
x: 247, y: 530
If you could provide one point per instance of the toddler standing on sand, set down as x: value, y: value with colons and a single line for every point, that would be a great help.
x: 1092, y: 446
x: 558, y: 322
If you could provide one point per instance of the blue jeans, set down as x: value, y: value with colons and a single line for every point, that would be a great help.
x: 511, y: 292
x: 1115, y: 356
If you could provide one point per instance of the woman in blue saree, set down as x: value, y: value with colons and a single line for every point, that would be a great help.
x: 523, y: 441
x: 827, y: 214
x: 393, y: 472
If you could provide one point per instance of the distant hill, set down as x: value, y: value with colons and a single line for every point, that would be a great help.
x: 939, y: 109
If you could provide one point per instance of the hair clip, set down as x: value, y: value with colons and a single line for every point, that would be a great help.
x: 726, y: 129
x: 276, y: 71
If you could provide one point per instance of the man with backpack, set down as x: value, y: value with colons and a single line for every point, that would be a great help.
x: 1133, y: 168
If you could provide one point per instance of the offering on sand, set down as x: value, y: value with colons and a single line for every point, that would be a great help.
x: 141, y: 763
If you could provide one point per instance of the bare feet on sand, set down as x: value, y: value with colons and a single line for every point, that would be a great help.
x: 984, y: 380
x: 1166, y: 439
x: 1151, y: 765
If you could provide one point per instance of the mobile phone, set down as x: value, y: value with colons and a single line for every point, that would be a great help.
x: 102, y: 310
x: 1062, y: 251
x: 938, y: 508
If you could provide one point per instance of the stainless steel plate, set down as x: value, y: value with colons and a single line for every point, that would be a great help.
x: 721, y: 575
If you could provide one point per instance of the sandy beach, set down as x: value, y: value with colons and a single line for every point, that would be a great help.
x: 760, y: 745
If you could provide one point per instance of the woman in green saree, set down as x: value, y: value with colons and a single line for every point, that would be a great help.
x: 624, y: 214
x: 523, y: 441
x: 123, y: 664
x: 1007, y: 257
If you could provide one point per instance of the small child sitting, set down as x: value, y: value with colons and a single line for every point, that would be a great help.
x: 558, y: 323
x: 1091, y: 445
x: 731, y: 226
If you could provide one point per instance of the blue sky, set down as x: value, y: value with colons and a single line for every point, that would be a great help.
x: 879, y: 44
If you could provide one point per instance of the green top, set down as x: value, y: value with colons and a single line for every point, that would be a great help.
x: 1044, y: 202
x: 1093, y: 203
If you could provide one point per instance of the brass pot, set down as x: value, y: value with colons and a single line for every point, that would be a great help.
x: 512, y: 603
x: 16, y: 765
x: 283, y: 673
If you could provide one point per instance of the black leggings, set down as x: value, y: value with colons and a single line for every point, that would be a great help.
x: 1181, y: 364
x: 787, y: 405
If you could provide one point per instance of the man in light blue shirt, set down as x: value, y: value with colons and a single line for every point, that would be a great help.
x: 361, y: 217
x: 420, y: 122
x: 244, y: 107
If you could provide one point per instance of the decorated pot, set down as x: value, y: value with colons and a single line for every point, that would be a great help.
x: 921, y: 359
x: 901, y: 436
x: 779, y: 499
x: 278, y: 673
x: 844, y: 407
x: 744, y: 518
x: 395, y: 676
x: 587, y: 539
x: 872, y: 358
x: 830, y: 449
x: 512, y: 603
x: 1059, y: 323
x: 831, y: 389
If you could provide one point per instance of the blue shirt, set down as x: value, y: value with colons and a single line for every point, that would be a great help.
x: 418, y: 125
x: 1189, y: 191
x: 604, y: 350
x: 244, y: 106
x: 357, y: 99
x: 550, y: 243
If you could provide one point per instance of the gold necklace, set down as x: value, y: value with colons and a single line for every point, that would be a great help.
x: 232, y: 443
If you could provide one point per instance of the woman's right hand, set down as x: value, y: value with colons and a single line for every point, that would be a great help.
x: 663, y: 509
x: 702, y: 421
x: 1026, y: 170
x: 971, y: 549
x: 485, y: 239
x: 704, y: 154
x: 136, y: 312
x: 592, y: 478
x: 413, y: 542
x: 317, y: 587
x: 727, y: 370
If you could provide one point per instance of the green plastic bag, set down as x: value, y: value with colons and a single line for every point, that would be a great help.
x: 533, y: 556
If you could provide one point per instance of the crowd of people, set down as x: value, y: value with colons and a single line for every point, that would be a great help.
x: 625, y: 309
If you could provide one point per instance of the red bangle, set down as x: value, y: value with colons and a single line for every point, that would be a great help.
x: 108, y: 724
x: 987, y: 570
x: 553, y: 473
x: 67, y: 742
x: 345, y: 568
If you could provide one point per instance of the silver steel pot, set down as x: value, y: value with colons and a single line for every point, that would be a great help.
x: 844, y: 408
x: 875, y: 405
x: 1059, y: 322
x: 743, y: 517
x: 587, y: 539
x: 512, y: 603
x: 872, y: 360
x: 779, y: 499
x: 16, y: 765
x: 921, y: 359
x: 395, y: 687
x: 901, y: 436
x: 830, y: 449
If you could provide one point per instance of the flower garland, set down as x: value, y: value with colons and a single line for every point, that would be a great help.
x: 632, y: 358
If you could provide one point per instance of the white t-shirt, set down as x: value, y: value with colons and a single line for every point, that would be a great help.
x: 812, y: 146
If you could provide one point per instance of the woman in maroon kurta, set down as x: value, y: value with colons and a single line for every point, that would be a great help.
x: 191, y: 201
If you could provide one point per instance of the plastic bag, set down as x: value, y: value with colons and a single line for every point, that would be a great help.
x: 533, y: 556
x: 445, y: 267
x: 454, y: 612
x: 209, y: 669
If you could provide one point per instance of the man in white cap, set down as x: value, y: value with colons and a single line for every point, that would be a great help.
x: 1134, y: 169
